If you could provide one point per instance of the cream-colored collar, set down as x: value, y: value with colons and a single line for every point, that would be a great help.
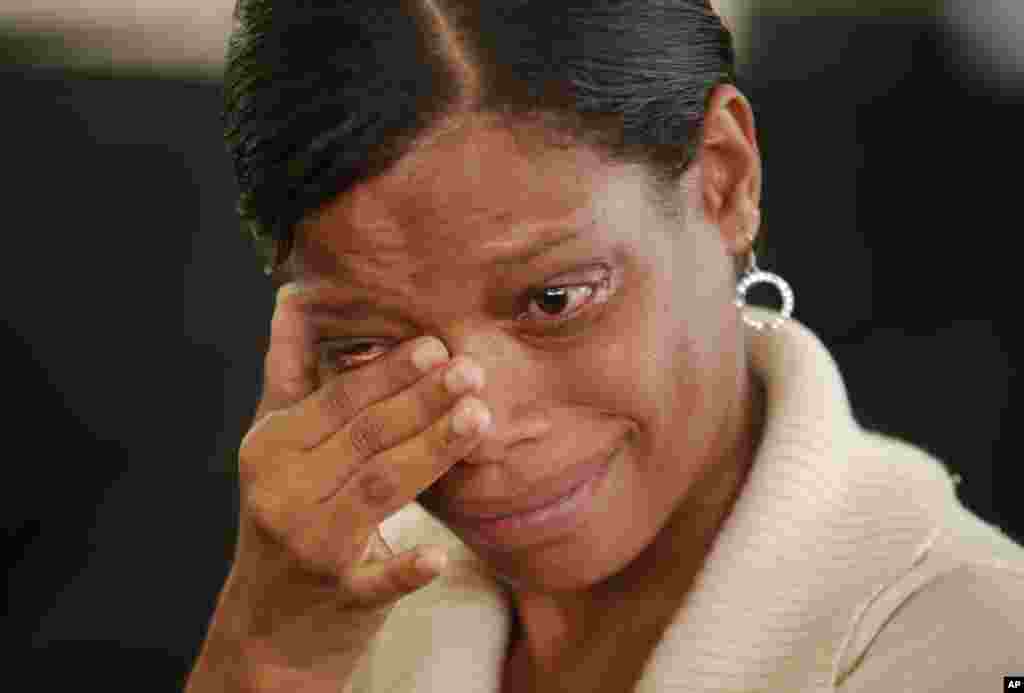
x: 830, y: 515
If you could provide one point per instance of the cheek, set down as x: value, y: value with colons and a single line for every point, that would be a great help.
x: 620, y: 380
x: 600, y: 378
x: 670, y: 393
x: 688, y: 381
x: 644, y: 364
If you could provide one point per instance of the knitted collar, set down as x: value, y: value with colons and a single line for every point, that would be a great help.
x: 829, y: 516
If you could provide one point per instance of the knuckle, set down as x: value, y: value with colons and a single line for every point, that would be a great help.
x: 270, y: 512
x: 339, y: 403
x: 258, y: 453
x: 293, y: 386
x: 366, y: 434
x: 265, y: 509
x: 248, y: 470
x: 311, y: 546
x: 252, y: 467
x: 377, y: 488
x: 251, y: 448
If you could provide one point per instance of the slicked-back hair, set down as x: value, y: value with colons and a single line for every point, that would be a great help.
x: 321, y: 95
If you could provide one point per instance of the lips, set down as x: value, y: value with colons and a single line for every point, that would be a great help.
x: 555, y: 491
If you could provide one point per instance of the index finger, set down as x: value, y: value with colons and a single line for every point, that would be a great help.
x: 290, y: 366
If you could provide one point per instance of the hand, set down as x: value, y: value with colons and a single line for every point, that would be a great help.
x: 313, y: 579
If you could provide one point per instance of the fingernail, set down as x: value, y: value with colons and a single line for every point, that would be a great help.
x: 464, y: 376
x: 431, y: 352
x: 470, y: 419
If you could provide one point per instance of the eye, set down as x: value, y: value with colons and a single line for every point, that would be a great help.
x: 550, y: 305
x: 342, y: 354
x: 554, y: 303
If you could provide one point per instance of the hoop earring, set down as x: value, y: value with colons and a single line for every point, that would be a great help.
x: 755, y: 275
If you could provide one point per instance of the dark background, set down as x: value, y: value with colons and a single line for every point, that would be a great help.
x: 136, y: 314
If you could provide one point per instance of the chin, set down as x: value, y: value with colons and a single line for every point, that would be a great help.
x: 549, y: 570
x: 546, y: 581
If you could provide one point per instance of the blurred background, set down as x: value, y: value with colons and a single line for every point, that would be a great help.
x: 137, y: 314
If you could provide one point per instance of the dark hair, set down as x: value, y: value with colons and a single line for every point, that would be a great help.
x: 323, y: 94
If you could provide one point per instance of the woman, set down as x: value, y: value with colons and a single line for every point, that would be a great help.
x: 565, y: 197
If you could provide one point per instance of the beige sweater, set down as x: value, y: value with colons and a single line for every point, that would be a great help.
x: 847, y: 564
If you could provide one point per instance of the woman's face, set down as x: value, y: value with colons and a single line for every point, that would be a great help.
x: 642, y: 353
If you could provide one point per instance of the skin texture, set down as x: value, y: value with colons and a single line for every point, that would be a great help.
x: 657, y: 364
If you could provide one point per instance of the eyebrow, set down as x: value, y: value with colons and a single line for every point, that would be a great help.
x: 358, y: 309
x: 364, y: 308
x: 546, y: 246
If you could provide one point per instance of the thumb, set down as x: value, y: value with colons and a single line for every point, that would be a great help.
x: 290, y: 366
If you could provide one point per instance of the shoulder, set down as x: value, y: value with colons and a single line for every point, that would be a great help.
x: 962, y: 631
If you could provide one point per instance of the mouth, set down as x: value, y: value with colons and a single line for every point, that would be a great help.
x: 556, y: 512
x: 556, y: 491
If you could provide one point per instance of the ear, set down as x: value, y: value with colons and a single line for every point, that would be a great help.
x: 731, y: 167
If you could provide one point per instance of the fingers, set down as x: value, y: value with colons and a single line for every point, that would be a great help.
x: 323, y: 528
x: 385, y: 457
x: 368, y: 494
x: 344, y: 397
x: 290, y: 366
x: 394, y: 420
x: 377, y: 584
x: 323, y: 465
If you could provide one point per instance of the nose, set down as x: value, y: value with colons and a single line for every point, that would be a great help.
x: 510, y: 392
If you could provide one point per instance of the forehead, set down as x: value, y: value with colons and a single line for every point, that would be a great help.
x: 468, y: 192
